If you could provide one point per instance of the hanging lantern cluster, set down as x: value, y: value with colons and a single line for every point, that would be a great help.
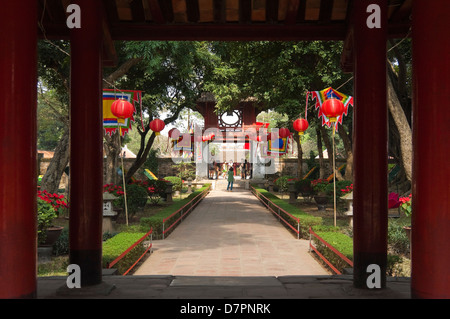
x: 157, y: 126
x: 122, y: 109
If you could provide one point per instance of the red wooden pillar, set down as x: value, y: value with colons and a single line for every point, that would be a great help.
x: 86, y: 144
x: 370, y: 140
x: 18, y: 174
x: 430, y: 272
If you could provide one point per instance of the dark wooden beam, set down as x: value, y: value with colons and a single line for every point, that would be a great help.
x: 109, y: 54
x: 326, y: 8
x: 111, y: 10
x: 137, y: 10
x: 346, y: 61
x: 55, y: 11
x: 402, y: 13
x: 301, y: 11
x: 292, y: 11
x: 166, y: 9
x: 156, y: 11
x: 235, y: 32
x: 217, y: 32
x: 245, y: 11
x: 272, y: 11
x: 192, y: 10
x: 219, y: 7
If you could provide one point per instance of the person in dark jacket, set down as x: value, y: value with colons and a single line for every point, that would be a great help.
x: 230, y: 179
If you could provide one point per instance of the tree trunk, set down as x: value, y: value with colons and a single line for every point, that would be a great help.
x: 297, y: 139
x: 348, y: 149
x: 319, y: 149
x: 141, y: 157
x: 404, y: 129
x: 112, y: 150
x: 329, y: 147
x: 50, y: 181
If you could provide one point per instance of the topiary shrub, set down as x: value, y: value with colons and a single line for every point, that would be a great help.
x: 176, y: 181
x: 304, y: 187
x: 282, y: 183
x: 46, y: 215
x: 136, y: 198
x: 61, y: 246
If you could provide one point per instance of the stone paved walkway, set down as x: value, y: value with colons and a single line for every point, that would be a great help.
x: 231, y: 234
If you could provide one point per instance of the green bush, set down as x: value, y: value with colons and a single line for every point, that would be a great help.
x: 306, y: 220
x: 176, y: 181
x: 115, y: 246
x: 304, y: 187
x: 398, y: 241
x: 61, y: 246
x: 282, y: 183
x: 46, y: 215
x: 136, y: 198
x: 156, y: 221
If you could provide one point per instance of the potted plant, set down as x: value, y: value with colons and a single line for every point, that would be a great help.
x: 50, y: 206
x: 319, y: 186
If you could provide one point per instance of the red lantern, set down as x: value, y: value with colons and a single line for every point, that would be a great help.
x: 333, y: 108
x: 157, y: 126
x: 122, y: 109
x: 300, y: 125
x: 284, y: 132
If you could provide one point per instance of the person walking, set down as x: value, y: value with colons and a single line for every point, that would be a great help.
x: 230, y: 179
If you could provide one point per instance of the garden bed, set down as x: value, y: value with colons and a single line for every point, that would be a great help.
x: 340, y: 236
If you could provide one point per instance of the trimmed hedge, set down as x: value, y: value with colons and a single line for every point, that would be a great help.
x: 306, y: 220
x: 115, y: 246
x: 340, y: 241
x: 156, y: 221
x: 176, y: 181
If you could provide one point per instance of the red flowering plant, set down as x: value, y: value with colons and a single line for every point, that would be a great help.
x: 116, y: 190
x: 49, y: 207
x: 347, y: 189
x: 405, y: 205
x: 156, y: 190
x: 57, y: 201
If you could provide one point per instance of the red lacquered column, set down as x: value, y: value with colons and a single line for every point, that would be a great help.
x: 86, y: 142
x: 370, y: 144
x: 18, y: 179
x: 430, y: 277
